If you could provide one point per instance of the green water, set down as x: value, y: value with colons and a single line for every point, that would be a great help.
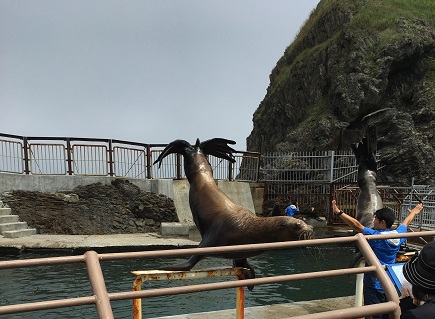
x: 69, y: 281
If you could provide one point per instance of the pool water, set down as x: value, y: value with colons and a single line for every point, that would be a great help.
x: 69, y: 281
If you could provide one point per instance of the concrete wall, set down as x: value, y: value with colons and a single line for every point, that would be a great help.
x: 181, y: 201
x: 56, y: 183
x: 178, y: 190
x: 257, y: 193
x: 238, y: 192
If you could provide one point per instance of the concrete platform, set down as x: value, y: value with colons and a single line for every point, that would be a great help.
x: 123, y: 241
x: 95, y: 242
x: 276, y: 311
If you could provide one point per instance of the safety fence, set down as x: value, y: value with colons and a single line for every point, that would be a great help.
x: 108, y: 157
x: 320, y: 195
x: 101, y: 298
x: 313, y: 167
x: 313, y: 178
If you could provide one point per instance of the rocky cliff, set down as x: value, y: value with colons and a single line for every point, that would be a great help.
x: 353, y: 65
x: 93, y: 209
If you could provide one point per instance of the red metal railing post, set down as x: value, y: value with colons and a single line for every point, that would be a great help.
x: 110, y: 151
x: 68, y: 156
x: 149, y: 160
x: 178, y: 166
x: 26, y: 156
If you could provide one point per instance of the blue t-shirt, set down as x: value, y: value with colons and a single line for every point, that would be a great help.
x: 291, y: 210
x: 385, y: 250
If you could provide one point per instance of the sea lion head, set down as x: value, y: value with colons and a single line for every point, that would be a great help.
x: 289, y: 228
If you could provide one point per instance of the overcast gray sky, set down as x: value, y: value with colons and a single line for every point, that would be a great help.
x: 148, y: 71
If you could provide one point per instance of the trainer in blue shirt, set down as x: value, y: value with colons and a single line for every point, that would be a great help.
x: 292, y: 209
x: 384, y: 249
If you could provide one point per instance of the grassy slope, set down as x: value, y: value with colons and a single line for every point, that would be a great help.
x: 370, y: 16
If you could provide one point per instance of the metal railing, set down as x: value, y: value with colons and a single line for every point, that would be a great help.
x: 153, y: 275
x: 313, y: 167
x: 101, y: 298
x: 399, y: 199
x: 320, y: 195
x: 108, y: 157
x: 314, y: 178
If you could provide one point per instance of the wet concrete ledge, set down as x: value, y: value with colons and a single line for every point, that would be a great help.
x: 276, y: 311
x: 99, y: 243
x: 117, y: 242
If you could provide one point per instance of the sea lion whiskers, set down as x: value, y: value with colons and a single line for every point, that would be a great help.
x: 307, y: 234
x: 314, y: 252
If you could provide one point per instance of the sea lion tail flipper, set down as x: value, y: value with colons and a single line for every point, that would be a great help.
x: 249, y: 273
x: 185, y: 266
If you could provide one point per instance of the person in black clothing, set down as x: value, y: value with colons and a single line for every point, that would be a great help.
x: 420, y: 272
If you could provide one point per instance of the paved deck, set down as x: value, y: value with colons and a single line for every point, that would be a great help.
x: 97, y: 242
x: 114, y: 241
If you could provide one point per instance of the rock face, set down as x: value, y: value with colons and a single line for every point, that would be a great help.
x: 356, y: 64
x: 93, y: 209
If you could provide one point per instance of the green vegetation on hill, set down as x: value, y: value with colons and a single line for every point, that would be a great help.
x: 382, y: 16
x: 385, y: 22
x: 351, y: 59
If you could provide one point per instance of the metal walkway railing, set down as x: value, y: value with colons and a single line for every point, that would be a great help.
x: 38, y: 155
x: 101, y: 298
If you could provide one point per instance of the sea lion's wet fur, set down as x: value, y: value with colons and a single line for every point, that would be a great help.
x: 220, y: 221
x: 369, y: 199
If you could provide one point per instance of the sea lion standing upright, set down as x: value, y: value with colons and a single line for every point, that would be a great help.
x: 220, y: 221
x: 369, y: 199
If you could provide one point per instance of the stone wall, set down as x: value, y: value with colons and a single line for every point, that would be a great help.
x: 98, y: 208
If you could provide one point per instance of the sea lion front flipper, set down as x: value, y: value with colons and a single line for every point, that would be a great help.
x: 249, y: 274
x: 191, y: 262
x: 185, y: 266
x: 365, y: 151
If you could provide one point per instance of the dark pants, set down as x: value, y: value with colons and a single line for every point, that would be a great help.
x: 374, y: 296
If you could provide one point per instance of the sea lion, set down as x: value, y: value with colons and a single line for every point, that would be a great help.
x: 369, y: 199
x: 220, y: 221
